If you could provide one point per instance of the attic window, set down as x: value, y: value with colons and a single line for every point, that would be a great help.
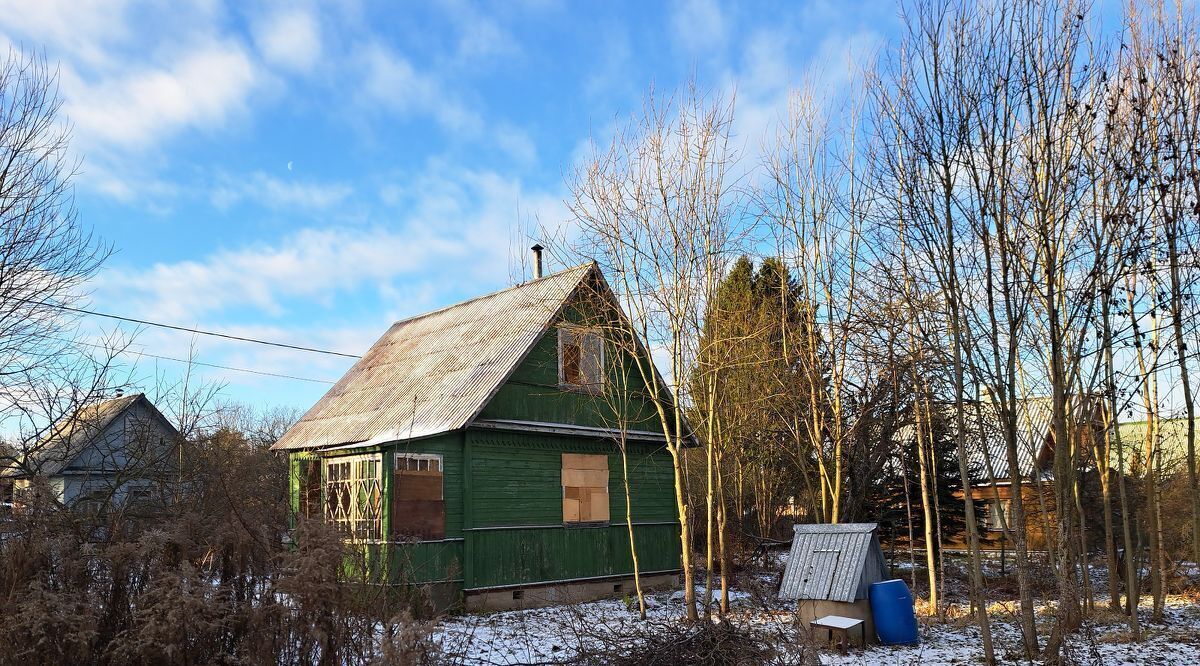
x: 418, y: 507
x: 580, y: 359
x: 585, y: 488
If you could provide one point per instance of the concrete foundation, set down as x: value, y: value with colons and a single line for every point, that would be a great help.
x: 808, y: 610
x: 537, y: 596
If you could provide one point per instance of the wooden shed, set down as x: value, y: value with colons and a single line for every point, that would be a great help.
x: 829, y: 571
x: 474, y: 448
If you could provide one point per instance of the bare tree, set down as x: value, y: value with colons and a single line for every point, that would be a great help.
x: 46, y: 254
x: 654, y: 209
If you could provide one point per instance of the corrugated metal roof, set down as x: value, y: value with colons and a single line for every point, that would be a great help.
x: 433, y: 373
x: 832, y: 562
x: 1172, y: 441
x: 1033, y: 427
x: 985, y: 441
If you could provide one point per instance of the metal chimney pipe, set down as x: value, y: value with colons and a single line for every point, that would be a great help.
x: 537, y: 261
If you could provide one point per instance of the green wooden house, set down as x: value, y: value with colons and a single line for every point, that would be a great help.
x: 475, y: 449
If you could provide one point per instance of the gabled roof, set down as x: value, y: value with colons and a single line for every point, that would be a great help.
x: 832, y: 562
x: 435, y: 372
x: 72, y: 434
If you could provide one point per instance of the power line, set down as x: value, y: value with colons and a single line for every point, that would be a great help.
x: 207, y: 365
x: 197, y: 331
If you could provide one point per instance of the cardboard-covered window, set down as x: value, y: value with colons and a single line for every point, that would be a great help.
x: 418, y: 505
x: 580, y: 359
x: 584, y: 488
x: 354, y: 496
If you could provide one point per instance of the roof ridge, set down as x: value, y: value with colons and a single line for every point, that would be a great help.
x: 493, y: 294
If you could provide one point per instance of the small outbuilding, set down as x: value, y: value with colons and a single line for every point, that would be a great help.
x: 830, y: 569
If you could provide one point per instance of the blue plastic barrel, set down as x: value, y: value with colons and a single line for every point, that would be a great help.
x: 893, y: 611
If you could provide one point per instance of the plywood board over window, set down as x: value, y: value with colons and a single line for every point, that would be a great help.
x: 585, y: 488
x: 418, y: 507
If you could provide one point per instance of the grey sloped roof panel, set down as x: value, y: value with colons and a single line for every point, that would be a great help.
x: 1033, y: 427
x: 985, y: 436
x: 72, y: 434
x: 832, y: 562
x: 433, y: 373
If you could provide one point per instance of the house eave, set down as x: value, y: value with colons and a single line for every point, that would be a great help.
x: 567, y: 429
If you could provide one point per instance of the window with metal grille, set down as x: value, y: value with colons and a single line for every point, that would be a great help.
x: 418, y: 507
x: 580, y: 359
x: 585, y: 488
x: 354, y: 496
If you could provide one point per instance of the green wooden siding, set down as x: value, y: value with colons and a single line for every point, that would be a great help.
x: 427, y: 561
x: 544, y: 554
x: 516, y: 478
x: 532, y: 394
x: 516, y: 481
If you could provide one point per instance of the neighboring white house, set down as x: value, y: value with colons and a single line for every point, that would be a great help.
x: 107, y: 453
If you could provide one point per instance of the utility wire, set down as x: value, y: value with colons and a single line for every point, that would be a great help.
x: 193, y: 362
x: 193, y: 330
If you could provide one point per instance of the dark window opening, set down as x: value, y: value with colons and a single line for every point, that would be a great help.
x: 310, y: 489
x: 580, y: 359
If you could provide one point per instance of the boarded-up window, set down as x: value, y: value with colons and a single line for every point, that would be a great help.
x: 418, y: 507
x: 580, y: 359
x: 354, y: 496
x: 585, y: 488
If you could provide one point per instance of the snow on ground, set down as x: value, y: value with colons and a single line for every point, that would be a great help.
x: 558, y: 634
x: 1176, y: 641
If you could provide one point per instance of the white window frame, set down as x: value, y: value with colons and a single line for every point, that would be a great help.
x: 429, y: 457
x: 580, y: 332
x: 356, y: 520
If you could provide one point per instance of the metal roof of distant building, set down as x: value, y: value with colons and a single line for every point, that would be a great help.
x: 985, y: 438
x: 435, y: 372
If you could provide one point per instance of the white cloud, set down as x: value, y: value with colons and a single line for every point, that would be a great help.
x: 391, y: 81
x: 698, y: 26
x: 136, y: 109
x: 515, y: 142
x: 276, y: 193
x: 290, y: 39
x: 479, y: 35
x: 445, y: 217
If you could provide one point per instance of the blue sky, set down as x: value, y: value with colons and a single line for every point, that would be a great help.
x: 309, y: 173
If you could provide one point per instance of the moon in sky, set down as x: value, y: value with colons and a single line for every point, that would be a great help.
x: 289, y: 165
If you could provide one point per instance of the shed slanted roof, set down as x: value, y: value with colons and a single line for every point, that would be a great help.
x: 985, y: 436
x: 832, y: 562
x: 433, y: 373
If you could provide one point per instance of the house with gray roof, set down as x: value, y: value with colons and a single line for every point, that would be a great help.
x: 104, y: 453
x: 477, y: 451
